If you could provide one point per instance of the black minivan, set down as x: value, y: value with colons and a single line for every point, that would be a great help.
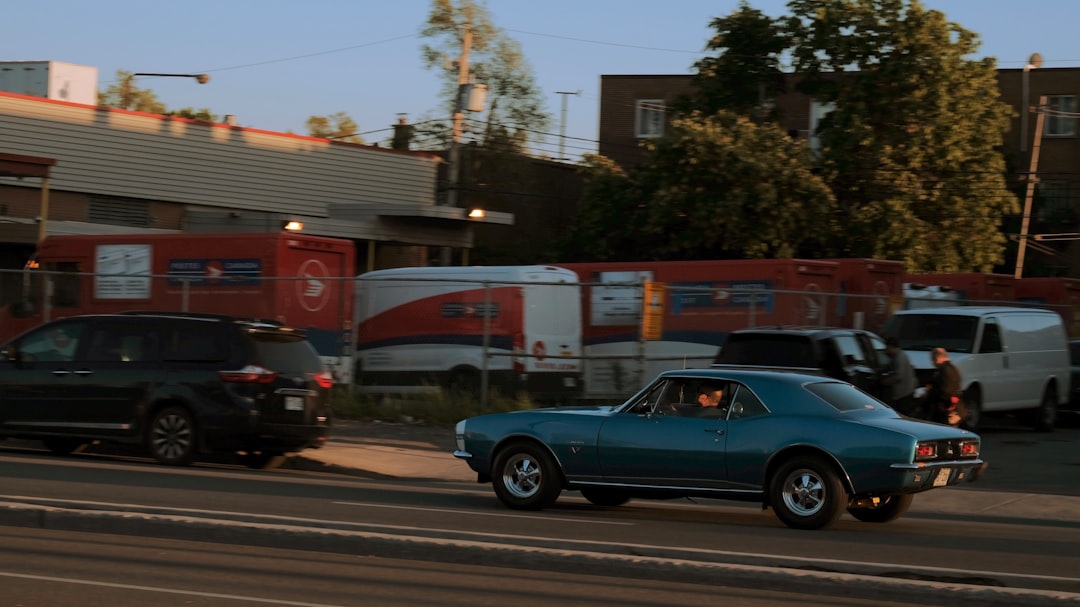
x: 181, y: 385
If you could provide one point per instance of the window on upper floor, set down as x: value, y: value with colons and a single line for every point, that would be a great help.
x: 649, y: 118
x: 1055, y: 203
x: 1060, y: 116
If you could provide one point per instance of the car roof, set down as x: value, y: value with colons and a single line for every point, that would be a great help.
x: 745, y: 372
x: 971, y: 310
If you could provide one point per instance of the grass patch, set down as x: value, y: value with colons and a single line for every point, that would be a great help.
x: 437, y: 408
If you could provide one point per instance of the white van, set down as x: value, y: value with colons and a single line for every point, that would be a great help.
x: 1010, y: 359
x: 508, y: 327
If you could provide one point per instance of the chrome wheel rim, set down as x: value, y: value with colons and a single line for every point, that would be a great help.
x: 171, y: 437
x: 804, y: 492
x: 522, y: 475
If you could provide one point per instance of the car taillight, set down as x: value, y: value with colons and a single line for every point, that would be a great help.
x: 251, y: 374
x: 324, y: 379
x: 925, y: 451
x: 969, y: 448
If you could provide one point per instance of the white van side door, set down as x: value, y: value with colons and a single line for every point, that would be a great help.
x: 991, y: 365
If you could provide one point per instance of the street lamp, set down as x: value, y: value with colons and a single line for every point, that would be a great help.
x: 1034, y: 63
x: 200, y: 78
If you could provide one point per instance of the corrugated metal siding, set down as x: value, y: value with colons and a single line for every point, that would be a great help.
x: 127, y: 154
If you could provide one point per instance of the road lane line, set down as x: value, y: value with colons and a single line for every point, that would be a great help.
x: 212, y: 595
x: 500, y: 514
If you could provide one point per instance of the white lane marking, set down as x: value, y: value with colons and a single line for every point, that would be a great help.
x: 213, y: 595
x: 453, y: 511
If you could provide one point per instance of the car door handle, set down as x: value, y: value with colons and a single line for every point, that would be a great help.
x: 59, y: 372
x: 84, y: 372
x: 716, y: 430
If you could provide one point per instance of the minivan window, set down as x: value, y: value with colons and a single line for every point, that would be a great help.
x: 195, y: 342
x: 54, y: 343
x: 775, y: 350
x: 289, y: 352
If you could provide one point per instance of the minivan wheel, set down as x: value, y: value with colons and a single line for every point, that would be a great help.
x: 170, y: 438
x: 973, y: 402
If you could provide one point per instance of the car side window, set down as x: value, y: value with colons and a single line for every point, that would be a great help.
x: 122, y: 342
x: 991, y: 337
x: 195, y: 342
x: 53, y: 343
x: 743, y: 403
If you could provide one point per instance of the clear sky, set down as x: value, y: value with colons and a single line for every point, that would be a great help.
x: 274, y: 63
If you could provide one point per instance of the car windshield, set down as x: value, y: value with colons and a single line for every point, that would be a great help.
x: 953, y: 332
x: 845, y: 397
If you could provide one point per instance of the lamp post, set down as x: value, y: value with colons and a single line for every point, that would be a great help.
x: 1034, y: 63
x: 200, y: 78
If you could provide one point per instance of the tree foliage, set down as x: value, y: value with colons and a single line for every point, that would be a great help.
x: 912, y: 150
x: 337, y: 126
x: 909, y: 166
x: 717, y: 187
x: 123, y: 94
x: 746, y: 73
x: 515, y: 112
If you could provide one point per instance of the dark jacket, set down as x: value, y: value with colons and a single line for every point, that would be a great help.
x: 945, y: 391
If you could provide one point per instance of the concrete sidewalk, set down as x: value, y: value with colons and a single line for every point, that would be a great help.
x: 363, y: 450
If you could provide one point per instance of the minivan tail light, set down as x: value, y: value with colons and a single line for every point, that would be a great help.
x: 324, y: 379
x: 251, y: 374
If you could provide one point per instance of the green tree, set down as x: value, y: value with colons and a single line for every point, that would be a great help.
x: 515, y: 106
x: 203, y: 114
x: 912, y: 148
x: 125, y: 95
x: 337, y: 126
x: 716, y: 187
x: 746, y: 73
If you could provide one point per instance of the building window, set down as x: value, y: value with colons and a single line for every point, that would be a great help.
x: 818, y: 111
x: 649, y: 118
x: 1060, y: 116
x: 119, y: 211
x: 1055, y: 201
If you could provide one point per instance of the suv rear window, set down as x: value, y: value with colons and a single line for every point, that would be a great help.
x: 285, y: 352
x: 768, y: 350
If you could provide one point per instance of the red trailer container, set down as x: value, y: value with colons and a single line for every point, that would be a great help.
x: 972, y: 287
x: 1056, y: 293
x: 703, y: 301
x: 300, y: 280
x: 872, y: 287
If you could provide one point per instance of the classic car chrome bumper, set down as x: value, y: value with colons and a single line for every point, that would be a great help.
x: 927, y: 475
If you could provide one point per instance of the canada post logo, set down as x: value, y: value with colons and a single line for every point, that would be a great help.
x: 313, y: 285
x: 214, y: 272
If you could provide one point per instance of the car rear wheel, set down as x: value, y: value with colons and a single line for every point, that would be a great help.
x: 63, y: 446
x: 170, y: 437
x: 605, y: 497
x: 525, y: 477
x: 890, y: 508
x: 806, y: 493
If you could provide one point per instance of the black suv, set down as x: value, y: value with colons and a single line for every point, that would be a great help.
x: 179, y: 384
x: 853, y: 355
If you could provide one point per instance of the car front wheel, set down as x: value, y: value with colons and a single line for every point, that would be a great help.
x: 171, y: 437
x: 806, y: 493
x: 889, y: 509
x: 525, y: 477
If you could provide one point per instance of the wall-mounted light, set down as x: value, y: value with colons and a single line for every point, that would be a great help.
x: 292, y: 226
x: 476, y: 214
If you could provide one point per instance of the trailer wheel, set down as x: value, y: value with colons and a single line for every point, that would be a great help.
x: 464, y: 380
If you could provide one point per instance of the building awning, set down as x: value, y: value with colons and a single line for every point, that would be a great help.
x: 17, y: 165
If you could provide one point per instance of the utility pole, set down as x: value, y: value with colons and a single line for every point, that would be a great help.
x: 562, y: 122
x: 1032, y: 180
x: 454, y: 170
x: 459, y: 116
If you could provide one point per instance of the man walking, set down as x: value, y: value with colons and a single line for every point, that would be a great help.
x: 899, y: 379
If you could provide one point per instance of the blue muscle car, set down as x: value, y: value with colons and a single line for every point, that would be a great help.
x: 807, y: 446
